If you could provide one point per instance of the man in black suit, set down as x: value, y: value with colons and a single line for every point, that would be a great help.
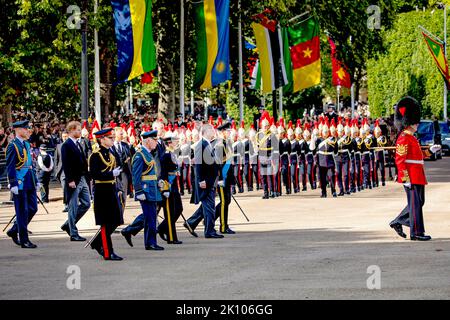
x: 75, y: 169
x: 122, y: 153
x: 206, y: 177
x: 59, y: 173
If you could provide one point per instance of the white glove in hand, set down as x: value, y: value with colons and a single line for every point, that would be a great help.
x: 435, y: 148
x: 166, y: 194
x: 117, y: 171
x: 38, y: 186
x: 141, y: 197
x: 15, y: 190
x: 407, y: 185
x: 221, y: 183
x: 160, y: 184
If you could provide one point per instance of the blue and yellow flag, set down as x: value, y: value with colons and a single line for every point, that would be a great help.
x: 134, y: 36
x: 213, y: 43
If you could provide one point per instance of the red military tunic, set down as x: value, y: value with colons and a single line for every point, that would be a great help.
x: 409, y: 160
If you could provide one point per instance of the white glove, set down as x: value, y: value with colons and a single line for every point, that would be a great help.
x: 15, y: 190
x: 38, y: 186
x: 141, y: 197
x: 166, y: 194
x: 160, y: 184
x: 435, y: 148
x: 407, y: 185
x: 117, y: 172
x: 221, y: 183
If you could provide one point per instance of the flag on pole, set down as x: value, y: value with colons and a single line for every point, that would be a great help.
x: 304, y: 44
x: 213, y: 43
x: 269, y: 41
x: 289, y: 87
x: 340, y: 76
x: 437, y: 51
x: 134, y: 37
x: 255, y: 74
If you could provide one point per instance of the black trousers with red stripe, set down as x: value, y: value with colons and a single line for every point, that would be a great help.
x: 103, y: 240
x: 330, y: 174
x: 412, y: 215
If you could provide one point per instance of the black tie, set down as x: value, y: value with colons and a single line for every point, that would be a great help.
x: 79, y: 147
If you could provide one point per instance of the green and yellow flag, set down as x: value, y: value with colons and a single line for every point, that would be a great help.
x: 437, y: 51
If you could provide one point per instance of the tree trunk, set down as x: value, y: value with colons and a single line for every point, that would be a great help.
x: 107, y: 90
x: 166, y: 103
x: 6, y: 115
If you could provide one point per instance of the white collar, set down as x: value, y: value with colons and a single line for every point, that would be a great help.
x: 74, y: 140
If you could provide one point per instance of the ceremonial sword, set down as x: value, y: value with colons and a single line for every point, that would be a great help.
x: 240, y: 208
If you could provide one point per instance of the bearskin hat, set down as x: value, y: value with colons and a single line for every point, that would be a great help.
x: 408, y: 111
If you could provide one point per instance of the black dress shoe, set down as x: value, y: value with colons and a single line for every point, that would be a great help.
x: 228, y: 231
x: 154, y: 247
x: 304, y: 189
x: 272, y: 194
x: 65, y: 210
x: 324, y: 195
x: 13, y: 236
x: 341, y: 194
x: 383, y: 184
x: 348, y: 193
x: 113, y: 257
x: 28, y: 245
x: 265, y: 196
x: 77, y: 238
x: 162, y: 235
x: 420, y: 238
x: 214, y: 236
x: 99, y: 250
x: 398, y: 228
x: 174, y: 242
x: 190, y: 229
x: 334, y: 195
x: 127, y: 237
x: 65, y: 228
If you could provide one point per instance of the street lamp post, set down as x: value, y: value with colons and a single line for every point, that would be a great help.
x: 84, y: 65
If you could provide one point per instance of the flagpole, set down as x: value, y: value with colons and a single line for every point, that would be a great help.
x: 445, y: 55
x: 98, y: 111
x: 131, y: 98
x: 353, y: 99
x: 192, y: 103
x: 281, y: 101
x: 182, y: 59
x: 84, y: 65
x: 338, y: 96
x: 241, y: 80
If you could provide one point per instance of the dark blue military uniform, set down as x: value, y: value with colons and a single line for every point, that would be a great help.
x: 145, y: 182
x: 21, y: 175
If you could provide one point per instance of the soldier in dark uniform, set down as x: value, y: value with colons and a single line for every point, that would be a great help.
x: 301, y: 174
x: 327, y: 149
x: 22, y: 183
x: 345, y: 150
x: 293, y: 158
x: 253, y: 158
x: 185, y: 153
x: 45, y: 163
x: 357, y: 147
x: 310, y: 157
x: 107, y: 207
x: 366, y: 151
x: 379, y: 154
x: 147, y: 191
x: 276, y: 173
x: 248, y: 174
x: 264, y: 143
x: 226, y: 178
x: 171, y: 198
x: 285, y: 153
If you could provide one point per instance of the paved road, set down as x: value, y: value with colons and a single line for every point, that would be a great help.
x: 295, y: 247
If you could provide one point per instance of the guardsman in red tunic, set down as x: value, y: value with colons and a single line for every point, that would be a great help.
x: 410, y: 166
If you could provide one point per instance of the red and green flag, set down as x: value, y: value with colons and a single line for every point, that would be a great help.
x: 340, y: 76
x: 437, y: 52
x: 304, y: 43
